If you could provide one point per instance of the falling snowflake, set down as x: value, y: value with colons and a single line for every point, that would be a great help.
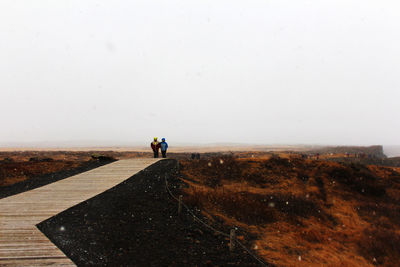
x: 221, y: 161
x: 62, y: 228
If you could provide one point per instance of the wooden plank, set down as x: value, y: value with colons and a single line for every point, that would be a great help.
x: 33, y: 252
x: 32, y: 262
x: 21, y: 243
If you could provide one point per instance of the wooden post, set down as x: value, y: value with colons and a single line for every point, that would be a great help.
x: 177, y: 166
x: 166, y: 182
x: 180, y: 204
x: 232, y: 240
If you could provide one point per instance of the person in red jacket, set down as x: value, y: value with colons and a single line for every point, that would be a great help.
x: 155, y: 145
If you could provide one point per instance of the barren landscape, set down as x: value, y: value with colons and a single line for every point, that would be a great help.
x: 200, y: 133
x: 290, y: 208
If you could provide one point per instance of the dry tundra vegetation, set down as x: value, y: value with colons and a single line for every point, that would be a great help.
x: 302, y: 212
x: 299, y: 212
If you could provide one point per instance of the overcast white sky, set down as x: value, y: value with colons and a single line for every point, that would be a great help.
x: 271, y: 71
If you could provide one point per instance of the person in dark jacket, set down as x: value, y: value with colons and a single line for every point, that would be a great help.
x: 164, y: 147
x: 155, y: 145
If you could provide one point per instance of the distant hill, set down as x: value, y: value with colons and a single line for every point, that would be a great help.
x: 376, y: 151
x: 392, y: 151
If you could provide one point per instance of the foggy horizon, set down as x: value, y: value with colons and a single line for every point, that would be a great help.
x: 254, y: 72
x: 111, y: 143
x: 388, y: 150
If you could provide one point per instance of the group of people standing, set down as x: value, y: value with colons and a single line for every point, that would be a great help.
x: 155, y: 145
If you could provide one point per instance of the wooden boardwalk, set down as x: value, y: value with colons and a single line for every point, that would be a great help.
x: 21, y: 243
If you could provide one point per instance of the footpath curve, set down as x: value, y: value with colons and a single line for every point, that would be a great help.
x: 21, y: 243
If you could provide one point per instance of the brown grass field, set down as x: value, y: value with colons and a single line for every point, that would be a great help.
x: 303, y: 212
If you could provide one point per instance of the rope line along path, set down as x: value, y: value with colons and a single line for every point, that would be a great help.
x: 196, y: 218
x: 21, y: 243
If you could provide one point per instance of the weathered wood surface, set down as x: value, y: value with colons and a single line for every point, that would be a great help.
x: 21, y: 243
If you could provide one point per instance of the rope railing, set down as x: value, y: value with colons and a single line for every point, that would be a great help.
x: 232, y: 237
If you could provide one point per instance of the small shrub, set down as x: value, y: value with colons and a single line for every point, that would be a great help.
x: 358, y: 179
x: 390, y: 211
x: 276, y: 162
x: 7, y: 159
x: 102, y: 157
x: 256, y: 178
x: 254, y: 208
x: 303, y: 176
x: 381, y: 244
x: 313, y: 236
x: 320, y: 183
